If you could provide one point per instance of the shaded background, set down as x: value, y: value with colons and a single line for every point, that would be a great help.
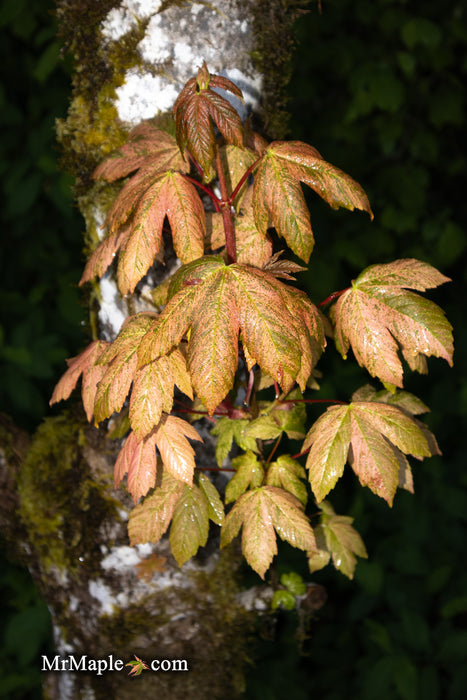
x: 378, y: 87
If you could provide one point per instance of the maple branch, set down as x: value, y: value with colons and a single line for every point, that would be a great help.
x: 215, y: 469
x: 242, y: 180
x: 337, y: 401
x: 271, y: 454
x: 225, y: 204
x: 208, y: 190
x: 251, y: 382
x: 332, y: 296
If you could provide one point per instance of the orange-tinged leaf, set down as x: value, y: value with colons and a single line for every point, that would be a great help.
x: 197, y: 109
x: 121, y: 360
x: 153, y: 388
x: 172, y: 196
x: 179, y: 371
x: 260, y: 511
x: 139, y: 461
x: 377, y: 316
x: 166, y: 331
x: 369, y: 435
x: 151, y: 395
x: 402, y: 399
x: 268, y: 330
x: 103, y: 255
x: 190, y: 524
x: 212, y: 352
x: 253, y: 248
x: 129, y: 197
x: 76, y: 367
x: 336, y: 187
x: 215, y: 234
x: 312, y: 337
x: 147, y: 146
x: 151, y: 518
x: 278, y: 198
x: 329, y: 439
x: 236, y: 161
x: 177, y: 454
x: 154, y: 564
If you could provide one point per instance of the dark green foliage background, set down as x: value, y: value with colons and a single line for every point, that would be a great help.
x: 378, y: 86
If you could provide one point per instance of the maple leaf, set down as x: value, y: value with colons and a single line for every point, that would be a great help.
x: 104, y: 254
x: 228, y: 429
x: 177, y: 454
x: 147, y: 146
x: 378, y: 315
x: 249, y: 474
x: 85, y: 365
x: 260, y: 512
x: 173, y: 196
x: 120, y: 359
x: 149, y: 520
x: 287, y: 473
x: 253, y: 248
x: 213, y: 301
x: 197, y: 109
x: 190, y: 524
x: 365, y: 433
x: 189, y: 508
x: 137, y: 666
x: 336, y: 538
x: 139, y: 460
x: 215, y: 507
x: 278, y: 196
x: 152, y: 392
x: 402, y: 399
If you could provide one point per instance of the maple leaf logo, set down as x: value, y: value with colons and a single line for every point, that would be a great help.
x: 137, y: 666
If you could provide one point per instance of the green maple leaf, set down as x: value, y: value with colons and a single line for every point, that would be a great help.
x: 378, y: 315
x: 249, y: 474
x: 336, y: 538
x: 288, y: 474
x: 261, y: 512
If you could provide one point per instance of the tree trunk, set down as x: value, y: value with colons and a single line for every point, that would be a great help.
x: 60, y: 510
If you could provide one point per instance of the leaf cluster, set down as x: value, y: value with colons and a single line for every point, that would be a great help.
x: 232, y: 324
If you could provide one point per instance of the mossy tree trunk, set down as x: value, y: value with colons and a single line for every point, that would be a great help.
x: 62, y: 512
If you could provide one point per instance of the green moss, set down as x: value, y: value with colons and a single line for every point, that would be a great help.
x: 272, y: 27
x: 62, y: 503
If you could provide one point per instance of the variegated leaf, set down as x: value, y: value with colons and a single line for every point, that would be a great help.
x: 151, y: 518
x: 368, y: 435
x: 377, y: 316
x: 177, y: 454
x: 138, y: 460
x: 260, y: 512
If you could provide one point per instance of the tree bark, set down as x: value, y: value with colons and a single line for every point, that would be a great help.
x: 60, y: 510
